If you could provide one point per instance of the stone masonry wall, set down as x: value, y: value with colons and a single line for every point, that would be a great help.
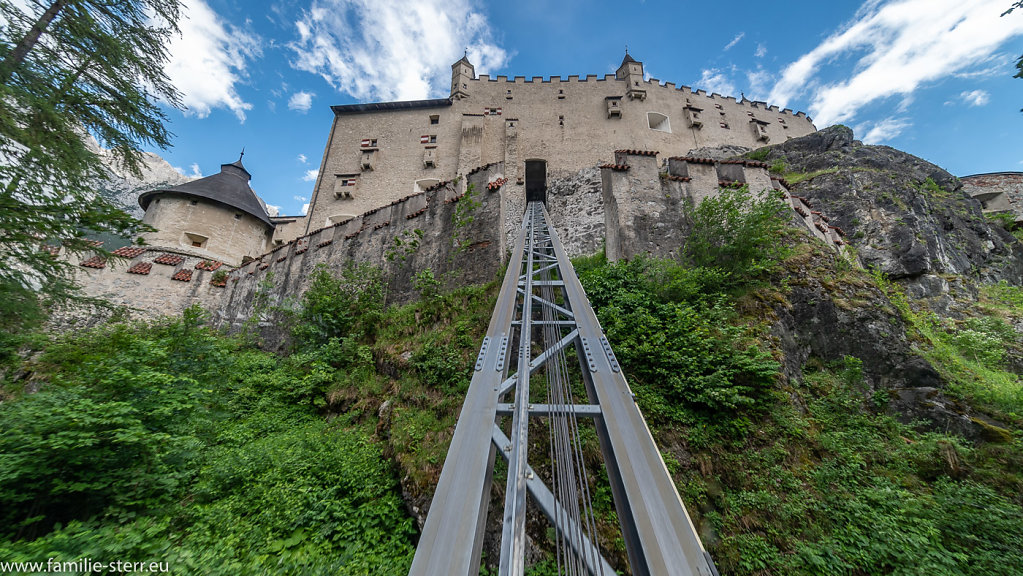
x: 562, y: 121
x: 154, y: 282
x: 644, y: 208
x: 464, y: 255
x: 997, y: 192
x: 231, y: 233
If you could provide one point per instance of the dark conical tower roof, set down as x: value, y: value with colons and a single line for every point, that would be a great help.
x: 229, y: 187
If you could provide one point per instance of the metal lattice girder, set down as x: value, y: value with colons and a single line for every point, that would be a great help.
x: 546, y: 501
x: 659, y: 536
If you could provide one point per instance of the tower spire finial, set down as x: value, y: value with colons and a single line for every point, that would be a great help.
x: 626, y: 49
x: 240, y: 156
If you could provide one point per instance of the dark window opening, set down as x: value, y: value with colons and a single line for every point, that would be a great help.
x: 435, y: 119
x: 536, y: 181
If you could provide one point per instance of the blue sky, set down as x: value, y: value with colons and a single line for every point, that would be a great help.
x: 931, y: 77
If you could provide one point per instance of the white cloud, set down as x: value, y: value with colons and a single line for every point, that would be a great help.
x: 310, y: 175
x: 302, y: 159
x: 194, y: 171
x: 975, y: 97
x: 899, y: 45
x: 734, y: 41
x: 882, y: 131
x: 759, y: 83
x: 300, y: 198
x: 305, y: 209
x: 301, y: 101
x: 208, y: 60
x: 272, y: 210
x: 761, y: 51
x: 714, y: 80
x: 395, y: 50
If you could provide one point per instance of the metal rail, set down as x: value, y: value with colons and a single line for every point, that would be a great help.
x: 541, y: 293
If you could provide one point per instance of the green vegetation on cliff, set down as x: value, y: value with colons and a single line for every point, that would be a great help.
x: 171, y: 442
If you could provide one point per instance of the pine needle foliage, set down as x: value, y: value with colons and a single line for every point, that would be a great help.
x: 75, y: 76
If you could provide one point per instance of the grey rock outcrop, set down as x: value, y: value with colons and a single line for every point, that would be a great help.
x: 122, y: 188
x: 904, y: 215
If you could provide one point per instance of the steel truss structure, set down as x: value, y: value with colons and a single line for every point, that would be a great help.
x: 541, y: 314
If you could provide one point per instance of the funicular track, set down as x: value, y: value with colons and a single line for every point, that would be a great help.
x: 541, y: 317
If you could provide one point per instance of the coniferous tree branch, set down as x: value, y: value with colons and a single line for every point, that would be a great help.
x: 71, y: 72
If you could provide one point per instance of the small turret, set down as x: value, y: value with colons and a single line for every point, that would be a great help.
x: 631, y: 71
x: 461, y: 73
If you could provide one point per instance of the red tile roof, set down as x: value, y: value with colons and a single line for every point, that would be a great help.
x: 169, y: 259
x: 94, y: 262
x: 141, y: 268
x: 129, y: 252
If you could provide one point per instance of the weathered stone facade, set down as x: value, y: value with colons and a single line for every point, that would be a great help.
x: 644, y: 205
x: 391, y: 171
x: 151, y: 281
x: 379, y: 152
x: 217, y: 217
x: 206, y: 230
x: 997, y: 192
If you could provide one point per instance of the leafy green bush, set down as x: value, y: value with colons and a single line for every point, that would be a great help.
x: 737, y: 233
x: 339, y: 307
x: 760, y: 154
x: 170, y: 442
x: 675, y: 338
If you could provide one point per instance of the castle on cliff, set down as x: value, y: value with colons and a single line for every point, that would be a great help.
x: 615, y: 159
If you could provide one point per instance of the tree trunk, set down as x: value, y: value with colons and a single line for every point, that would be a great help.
x: 15, y: 58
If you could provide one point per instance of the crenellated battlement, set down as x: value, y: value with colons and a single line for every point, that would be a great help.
x: 643, y: 209
x: 669, y: 88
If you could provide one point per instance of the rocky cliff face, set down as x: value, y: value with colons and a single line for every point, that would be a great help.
x: 911, y: 220
x: 905, y: 216
x: 122, y: 189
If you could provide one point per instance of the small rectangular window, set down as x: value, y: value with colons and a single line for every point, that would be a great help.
x: 435, y: 119
x: 428, y: 139
x: 369, y: 142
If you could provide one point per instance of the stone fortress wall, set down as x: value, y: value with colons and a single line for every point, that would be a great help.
x: 205, y: 229
x: 156, y: 281
x: 397, y: 172
x: 379, y: 152
x: 997, y: 192
x: 641, y: 211
x: 644, y: 202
